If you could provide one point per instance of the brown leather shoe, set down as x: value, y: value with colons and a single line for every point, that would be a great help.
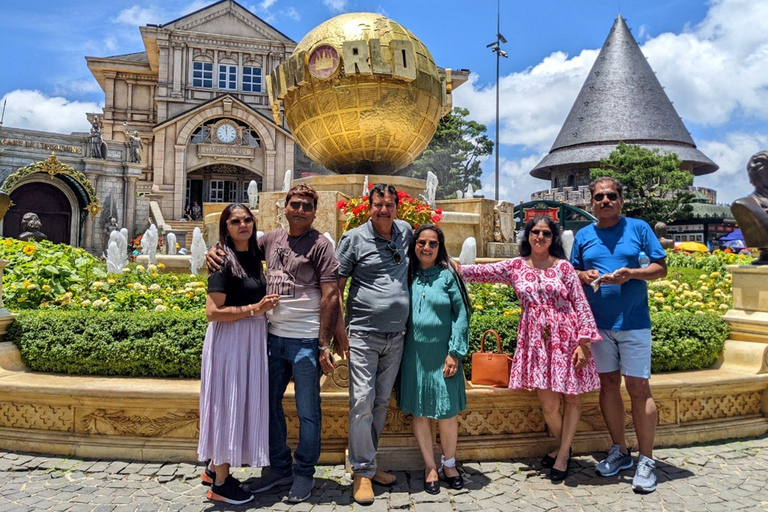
x: 362, y: 491
x: 384, y: 478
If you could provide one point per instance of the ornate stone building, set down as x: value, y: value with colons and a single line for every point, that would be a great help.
x: 185, y: 120
x: 620, y: 101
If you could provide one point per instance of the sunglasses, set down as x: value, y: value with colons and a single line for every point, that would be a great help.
x: 612, y: 196
x: 395, y: 253
x: 545, y: 234
x: 432, y: 243
x: 302, y: 205
x: 236, y: 222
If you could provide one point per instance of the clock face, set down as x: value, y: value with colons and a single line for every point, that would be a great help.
x: 226, y: 133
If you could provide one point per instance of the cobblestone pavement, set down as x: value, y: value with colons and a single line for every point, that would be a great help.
x: 723, y: 476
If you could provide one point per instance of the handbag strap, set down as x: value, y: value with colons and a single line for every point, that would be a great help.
x: 498, y: 340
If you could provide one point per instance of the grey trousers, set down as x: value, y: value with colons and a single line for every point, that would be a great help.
x: 374, y: 360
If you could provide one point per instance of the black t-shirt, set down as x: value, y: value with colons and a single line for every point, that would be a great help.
x: 240, y: 292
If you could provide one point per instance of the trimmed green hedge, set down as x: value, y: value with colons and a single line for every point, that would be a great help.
x: 169, y: 344
x: 686, y: 341
x: 136, y: 344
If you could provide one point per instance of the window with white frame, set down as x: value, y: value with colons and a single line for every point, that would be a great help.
x: 251, y: 79
x: 216, y: 191
x: 227, y: 76
x: 202, y: 75
x: 232, y: 192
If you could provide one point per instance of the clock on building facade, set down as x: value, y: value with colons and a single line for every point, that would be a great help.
x: 225, y: 131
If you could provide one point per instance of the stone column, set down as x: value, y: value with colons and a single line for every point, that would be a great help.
x: 180, y: 181
x: 270, y: 171
x: 89, y: 238
x: 130, y: 204
x: 177, y: 70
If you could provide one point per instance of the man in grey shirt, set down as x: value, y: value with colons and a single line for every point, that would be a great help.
x: 375, y: 257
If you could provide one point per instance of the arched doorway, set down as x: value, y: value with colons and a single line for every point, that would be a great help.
x: 219, y: 183
x: 49, y: 203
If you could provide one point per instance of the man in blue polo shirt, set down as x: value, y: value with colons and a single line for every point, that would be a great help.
x: 375, y: 257
x: 610, y: 250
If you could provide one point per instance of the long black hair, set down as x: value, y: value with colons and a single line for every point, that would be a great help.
x: 555, y: 248
x: 228, y: 246
x: 442, y: 254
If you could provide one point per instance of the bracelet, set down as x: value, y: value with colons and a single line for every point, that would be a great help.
x: 251, y: 309
x: 323, y: 348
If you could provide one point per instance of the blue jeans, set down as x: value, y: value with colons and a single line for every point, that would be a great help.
x: 297, y: 358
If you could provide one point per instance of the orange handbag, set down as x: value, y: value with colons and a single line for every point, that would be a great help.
x: 490, y: 368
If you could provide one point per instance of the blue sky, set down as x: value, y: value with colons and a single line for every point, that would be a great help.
x: 711, y: 57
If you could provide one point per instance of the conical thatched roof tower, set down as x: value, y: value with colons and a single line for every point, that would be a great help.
x: 621, y: 100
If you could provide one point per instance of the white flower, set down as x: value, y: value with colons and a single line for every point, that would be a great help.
x: 154, y: 287
x: 98, y: 303
x: 159, y: 308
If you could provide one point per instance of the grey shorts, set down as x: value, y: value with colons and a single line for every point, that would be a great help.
x: 628, y: 351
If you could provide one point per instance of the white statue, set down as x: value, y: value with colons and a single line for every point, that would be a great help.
x: 149, y: 244
x: 468, y: 251
x: 329, y: 237
x: 459, y: 194
x: 365, y: 186
x: 259, y: 234
x: 431, y: 189
x: 287, y: 179
x: 567, y: 239
x: 198, y: 250
x: 123, y: 245
x: 171, y: 249
x: 253, y: 195
x: 114, y: 261
x: 470, y: 193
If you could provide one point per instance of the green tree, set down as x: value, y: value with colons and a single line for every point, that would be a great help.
x: 454, y: 154
x: 654, y: 184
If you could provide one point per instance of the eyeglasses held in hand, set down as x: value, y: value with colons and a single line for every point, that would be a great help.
x: 545, y: 234
x: 395, y: 253
x: 302, y: 205
x: 612, y: 196
x: 236, y: 222
x: 432, y: 243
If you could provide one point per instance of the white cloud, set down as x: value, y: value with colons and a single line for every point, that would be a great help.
x: 138, y: 15
x: 86, y: 86
x: 292, y: 14
x: 266, y: 4
x: 514, y: 181
x: 34, y: 110
x: 731, y: 154
x: 336, y: 5
x: 532, y: 103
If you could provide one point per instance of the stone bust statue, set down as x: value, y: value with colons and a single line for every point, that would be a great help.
x: 30, y: 228
x: 751, y: 212
x: 660, y: 229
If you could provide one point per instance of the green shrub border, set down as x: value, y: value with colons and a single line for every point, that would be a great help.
x: 135, y: 344
x: 169, y: 344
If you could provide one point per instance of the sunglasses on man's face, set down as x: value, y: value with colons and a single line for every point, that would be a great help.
x: 545, y: 234
x: 432, y: 243
x: 612, y: 196
x: 302, y: 205
x: 236, y: 222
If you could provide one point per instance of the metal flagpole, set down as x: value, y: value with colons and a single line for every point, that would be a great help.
x: 496, y: 48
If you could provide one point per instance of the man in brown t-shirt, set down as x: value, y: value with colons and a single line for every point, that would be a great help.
x: 303, y: 270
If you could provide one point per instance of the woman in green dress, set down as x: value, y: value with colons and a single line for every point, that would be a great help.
x: 431, y: 374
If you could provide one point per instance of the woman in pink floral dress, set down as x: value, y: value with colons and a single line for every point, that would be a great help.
x: 555, y: 333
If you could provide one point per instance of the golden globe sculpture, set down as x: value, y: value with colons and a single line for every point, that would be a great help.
x: 361, y: 94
